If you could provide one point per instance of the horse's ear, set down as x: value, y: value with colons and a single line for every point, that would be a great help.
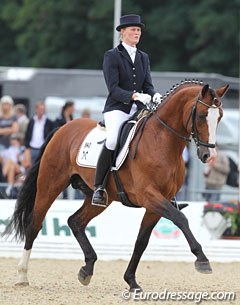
x: 221, y: 91
x: 204, y: 90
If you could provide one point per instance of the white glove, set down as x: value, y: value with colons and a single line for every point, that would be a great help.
x: 143, y: 98
x: 157, y: 98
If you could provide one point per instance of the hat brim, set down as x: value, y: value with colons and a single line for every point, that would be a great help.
x: 119, y: 27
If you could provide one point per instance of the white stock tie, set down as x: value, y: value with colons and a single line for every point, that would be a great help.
x: 133, y: 54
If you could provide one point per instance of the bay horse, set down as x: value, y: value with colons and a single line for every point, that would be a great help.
x: 150, y: 180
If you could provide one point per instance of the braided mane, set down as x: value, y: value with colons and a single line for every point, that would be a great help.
x: 174, y: 89
x: 177, y: 87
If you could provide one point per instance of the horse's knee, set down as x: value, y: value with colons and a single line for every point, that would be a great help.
x: 74, y: 223
x: 71, y: 222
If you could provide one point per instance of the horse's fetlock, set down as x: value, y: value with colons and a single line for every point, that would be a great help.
x: 129, y: 277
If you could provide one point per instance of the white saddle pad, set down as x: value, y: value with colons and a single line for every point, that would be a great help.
x: 91, y: 147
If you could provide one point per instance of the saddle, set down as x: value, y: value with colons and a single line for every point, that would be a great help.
x: 125, y: 129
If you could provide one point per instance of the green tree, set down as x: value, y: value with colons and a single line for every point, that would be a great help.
x: 62, y: 34
x: 185, y: 35
x: 214, y: 42
x: 8, y: 50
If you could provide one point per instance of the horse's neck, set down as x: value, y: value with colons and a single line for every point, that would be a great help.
x: 171, y: 112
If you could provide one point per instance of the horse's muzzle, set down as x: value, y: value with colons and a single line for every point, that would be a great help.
x: 203, y: 154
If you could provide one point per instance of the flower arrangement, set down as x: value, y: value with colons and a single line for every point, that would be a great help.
x: 229, y: 210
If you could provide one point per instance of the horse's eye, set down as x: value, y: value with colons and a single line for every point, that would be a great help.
x: 202, y: 116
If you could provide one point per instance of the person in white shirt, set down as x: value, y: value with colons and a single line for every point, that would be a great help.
x: 38, y: 128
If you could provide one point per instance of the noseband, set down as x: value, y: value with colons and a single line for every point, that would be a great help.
x: 194, y: 131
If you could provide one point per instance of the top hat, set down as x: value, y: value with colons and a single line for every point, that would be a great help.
x: 129, y: 20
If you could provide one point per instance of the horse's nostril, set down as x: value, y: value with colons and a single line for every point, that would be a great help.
x: 205, y: 157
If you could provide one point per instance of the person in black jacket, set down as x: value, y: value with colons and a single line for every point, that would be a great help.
x: 38, y: 128
x: 127, y: 75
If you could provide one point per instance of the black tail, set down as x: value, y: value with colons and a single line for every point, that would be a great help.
x: 22, y: 215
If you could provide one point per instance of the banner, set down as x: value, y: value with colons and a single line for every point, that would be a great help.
x: 113, y: 234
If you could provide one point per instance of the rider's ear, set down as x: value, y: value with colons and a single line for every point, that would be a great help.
x: 205, y: 90
x: 221, y: 91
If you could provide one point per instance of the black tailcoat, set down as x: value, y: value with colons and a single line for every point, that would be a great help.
x: 123, y: 78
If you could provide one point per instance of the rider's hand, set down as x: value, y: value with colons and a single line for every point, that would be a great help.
x: 157, y: 98
x: 142, y: 97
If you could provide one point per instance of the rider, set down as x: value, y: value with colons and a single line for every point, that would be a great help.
x: 127, y: 76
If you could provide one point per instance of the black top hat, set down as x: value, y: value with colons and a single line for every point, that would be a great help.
x: 129, y: 20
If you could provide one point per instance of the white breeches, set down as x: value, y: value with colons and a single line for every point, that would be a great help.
x: 113, y: 121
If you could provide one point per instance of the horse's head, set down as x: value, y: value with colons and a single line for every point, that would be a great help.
x: 205, y: 115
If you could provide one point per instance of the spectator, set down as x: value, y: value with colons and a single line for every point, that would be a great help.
x: 8, y: 121
x: 66, y: 114
x: 216, y: 173
x: 38, y: 128
x: 12, y: 159
x: 22, y: 119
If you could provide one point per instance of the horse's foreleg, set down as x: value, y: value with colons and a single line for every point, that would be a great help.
x: 147, y: 225
x: 78, y: 222
x: 166, y: 210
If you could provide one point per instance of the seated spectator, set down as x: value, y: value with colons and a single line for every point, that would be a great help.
x: 8, y: 121
x: 12, y: 160
x: 38, y: 128
x: 22, y: 119
x: 66, y: 114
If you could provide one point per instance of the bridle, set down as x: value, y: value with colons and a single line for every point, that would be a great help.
x: 194, y: 131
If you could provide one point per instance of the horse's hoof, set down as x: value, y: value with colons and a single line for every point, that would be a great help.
x: 203, y: 267
x: 83, y: 277
x: 21, y: 284
x: 135, y: 289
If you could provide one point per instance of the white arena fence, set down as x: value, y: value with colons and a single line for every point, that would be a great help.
x: 113, y: 234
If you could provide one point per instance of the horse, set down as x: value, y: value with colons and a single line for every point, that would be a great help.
x: 150, y: 180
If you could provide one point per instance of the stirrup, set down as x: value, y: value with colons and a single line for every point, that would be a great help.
x: 105, y: 204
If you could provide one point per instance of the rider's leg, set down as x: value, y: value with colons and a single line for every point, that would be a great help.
x: 113, y: 121
x: 103, y: 167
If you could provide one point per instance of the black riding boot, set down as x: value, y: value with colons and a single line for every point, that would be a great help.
x: 103, y: 166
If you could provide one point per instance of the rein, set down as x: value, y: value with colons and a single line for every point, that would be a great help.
x: 170, y: 128
x: 194, y: 132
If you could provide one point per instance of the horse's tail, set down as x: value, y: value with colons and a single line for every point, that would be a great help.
x: 22, y: 215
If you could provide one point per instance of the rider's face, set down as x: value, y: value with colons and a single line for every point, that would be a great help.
x: 131, y: 35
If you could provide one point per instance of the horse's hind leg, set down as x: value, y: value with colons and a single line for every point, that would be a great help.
x: 78, y: 222
x: 46, y: 194
x: 147, y: 225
